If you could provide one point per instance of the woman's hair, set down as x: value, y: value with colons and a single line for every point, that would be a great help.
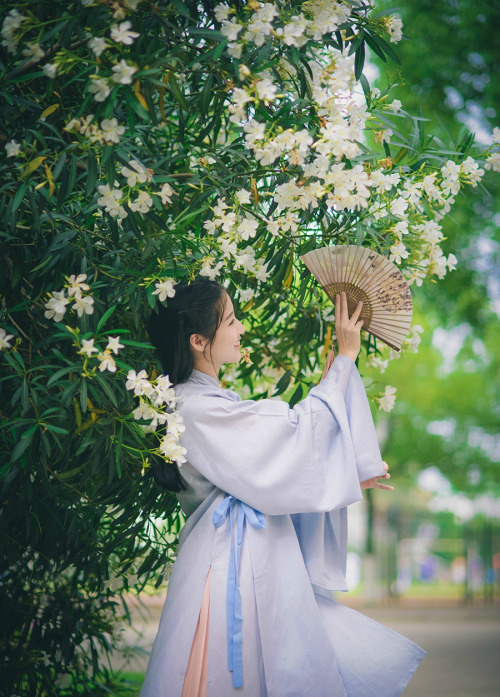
x: 196, y: 308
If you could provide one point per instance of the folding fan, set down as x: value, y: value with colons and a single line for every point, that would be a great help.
x: 365, y: 275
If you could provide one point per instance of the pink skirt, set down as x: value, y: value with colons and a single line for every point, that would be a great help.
x: 195, y: 680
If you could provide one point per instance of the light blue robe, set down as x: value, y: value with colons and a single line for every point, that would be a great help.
x: 301, y: 468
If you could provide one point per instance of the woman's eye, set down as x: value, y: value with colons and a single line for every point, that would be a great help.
x: 231, y: 321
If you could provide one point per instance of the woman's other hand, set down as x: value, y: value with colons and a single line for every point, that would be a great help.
x: 373, y: 483
x: 347, y: 330
x: 329, y: 360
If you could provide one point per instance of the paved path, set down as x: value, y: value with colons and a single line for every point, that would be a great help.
x: 462, y: 644
x: 463, y: 649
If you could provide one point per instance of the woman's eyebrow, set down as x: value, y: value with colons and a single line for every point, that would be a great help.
x: 229, y: 315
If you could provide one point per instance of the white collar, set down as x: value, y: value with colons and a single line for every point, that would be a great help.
x: 201, y: 377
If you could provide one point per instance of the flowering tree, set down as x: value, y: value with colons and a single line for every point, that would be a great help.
x: 144, y: 144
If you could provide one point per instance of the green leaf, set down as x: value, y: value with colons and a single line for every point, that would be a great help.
x: 105, y: 318
x: 176, y: 91
x: 91, y: 175
x: 19, y: 195
x: 359, y: 61
x: 55, y: 429
x: 283, y: 383
x: 107, y: 389
x: 64, y: 371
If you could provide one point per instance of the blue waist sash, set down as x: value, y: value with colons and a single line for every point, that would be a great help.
x: 234, y: 615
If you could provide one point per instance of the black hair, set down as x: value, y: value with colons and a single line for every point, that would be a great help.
x: 196, y: 308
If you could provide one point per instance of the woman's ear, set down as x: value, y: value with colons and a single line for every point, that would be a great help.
x: 197, y: 342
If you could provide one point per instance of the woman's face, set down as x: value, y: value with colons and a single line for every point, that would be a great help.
x: 226, y: 346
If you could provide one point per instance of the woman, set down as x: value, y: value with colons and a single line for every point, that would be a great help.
x: 265, y: 489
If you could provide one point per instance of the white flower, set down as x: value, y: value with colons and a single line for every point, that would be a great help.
x: 111, y: 131
x: 261, y: 272
x: 377, y: 362
x: 114, y: 344
x: 451, y: 262
x: 56, y: 306
x: 450, y: 171
x: 171, y: 450
x: 247, y: 228
x: 5, y: 339
x: 99, y: 88
x: 398, y: 252
x: 13, y: 148
x: 77, y: 284
x: 12, y: 22
x: 165, y: 193
x: 231, y: 29
x: 246, y: 295
x: 143, y: 411
x: 398, y: 207
x: 221, y: 12
x: 395, y: 106
x: 107, y: 362
x: 208, y: 270
x: 394, y: 26
x: 163, y: 382
x: 243, y: 196
x: 234, y: 50
x: 493, y: 162
x: 50, y: 70
x: 137, y: 381
x: 142, y: 203
x: 383, y: 136
x: 123, y: 72
x: 34, y: 51
x: 88, y: 347
x: 165, y: 288
x: 175, y: 424
x: 266, y: 89
x: 97, y: 44
x: 386, y: 402
x: 121, y: 33
x: 413, y: 341
x: 135, y: 173
x: 110, y: 199
x: 84, y: 305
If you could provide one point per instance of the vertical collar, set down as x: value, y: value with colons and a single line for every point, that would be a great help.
x: 203, y: 378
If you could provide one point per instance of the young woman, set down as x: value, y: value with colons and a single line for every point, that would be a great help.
x: 265, y: 489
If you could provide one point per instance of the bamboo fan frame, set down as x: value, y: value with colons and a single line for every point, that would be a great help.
x: 368, y: 276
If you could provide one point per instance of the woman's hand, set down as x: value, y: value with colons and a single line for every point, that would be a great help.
x: 329, y: 360
x: 374, y: 484
x: 347, y: 330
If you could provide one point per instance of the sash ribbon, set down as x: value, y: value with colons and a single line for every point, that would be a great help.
x: 234, y: 508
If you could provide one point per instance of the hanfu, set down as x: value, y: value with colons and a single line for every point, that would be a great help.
x: 264, y: 546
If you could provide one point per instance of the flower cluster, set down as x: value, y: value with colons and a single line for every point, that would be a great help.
x: 157, y: 403
x: 105, y: 358
x: 122, y: 72
x: 388, y: 399
x: 73, y: 291
x: 107, y: 133
x: 113, y: 199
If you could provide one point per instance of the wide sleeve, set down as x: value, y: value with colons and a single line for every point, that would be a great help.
x: 276, y: 458
x: 323, y: 536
